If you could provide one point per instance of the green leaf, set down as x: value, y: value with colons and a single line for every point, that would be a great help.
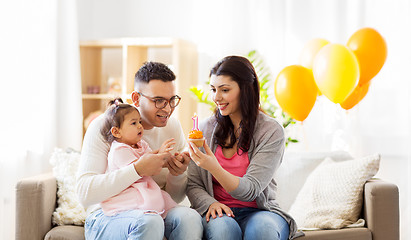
x: 201, y: 96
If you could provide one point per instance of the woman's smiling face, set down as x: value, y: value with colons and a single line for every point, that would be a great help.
x: 225, y: 92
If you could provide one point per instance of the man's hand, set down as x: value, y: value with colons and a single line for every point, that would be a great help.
x: 177, y: 165
x: 150, y: 164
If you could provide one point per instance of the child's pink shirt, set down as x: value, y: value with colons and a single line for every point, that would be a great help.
x: 144, y: 194
x: 236, y: 165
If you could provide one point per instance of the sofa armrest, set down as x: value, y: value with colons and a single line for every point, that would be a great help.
x: 35, y: 203
x: 381, y: 209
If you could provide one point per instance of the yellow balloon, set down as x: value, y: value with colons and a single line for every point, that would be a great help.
x: 309, y: 51
x: 336, y: 72
x: 295, y: 91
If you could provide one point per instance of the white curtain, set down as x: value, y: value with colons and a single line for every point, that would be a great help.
x: 40, y: 92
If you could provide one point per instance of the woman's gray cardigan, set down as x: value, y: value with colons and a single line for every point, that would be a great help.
x: 265, y: 154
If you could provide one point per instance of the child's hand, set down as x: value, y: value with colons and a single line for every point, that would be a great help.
x: 150, y: 164
x: 166, y: 146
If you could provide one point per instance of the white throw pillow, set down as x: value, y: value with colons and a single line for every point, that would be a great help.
x: 294, y: 170
x: 69, y: 211
x: 332, y: 196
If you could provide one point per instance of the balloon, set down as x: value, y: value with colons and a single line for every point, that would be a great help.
x: 371, y: 51
x: 295, y: 91
x: 356, y: 96
x: 311, y: 49
x: 336, y: 72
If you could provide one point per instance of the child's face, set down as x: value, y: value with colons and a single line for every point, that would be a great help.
x: 131, y: 130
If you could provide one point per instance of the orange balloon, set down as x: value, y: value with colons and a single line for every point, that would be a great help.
x: 370, y: 49
x: 356, y: 96
x: 295, y: 91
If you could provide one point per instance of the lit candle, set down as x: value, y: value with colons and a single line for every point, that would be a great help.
x: 195, y: 122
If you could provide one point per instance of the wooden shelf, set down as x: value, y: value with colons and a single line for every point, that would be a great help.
x: 108, y: 61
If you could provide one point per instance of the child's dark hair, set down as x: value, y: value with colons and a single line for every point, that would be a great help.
x: 114, y: 117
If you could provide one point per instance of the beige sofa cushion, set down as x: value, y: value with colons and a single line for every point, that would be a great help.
x: 332, y: 196
x: 65, y: 233
x: 340, y: 234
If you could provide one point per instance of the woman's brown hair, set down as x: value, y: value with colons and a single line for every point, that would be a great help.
x: 241, y: 71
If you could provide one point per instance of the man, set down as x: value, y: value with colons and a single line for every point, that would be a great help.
x: 156, y: 100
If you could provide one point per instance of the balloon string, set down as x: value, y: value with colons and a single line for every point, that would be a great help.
x: 304, y: 136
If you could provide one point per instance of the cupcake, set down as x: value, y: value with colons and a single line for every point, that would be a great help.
x: 196, y: 137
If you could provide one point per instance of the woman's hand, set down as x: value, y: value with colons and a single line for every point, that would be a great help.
x: 218, y: 208
x: 209, y: 162
x: 206, y: 161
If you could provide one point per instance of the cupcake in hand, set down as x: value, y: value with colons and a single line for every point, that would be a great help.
x: 196, y: 137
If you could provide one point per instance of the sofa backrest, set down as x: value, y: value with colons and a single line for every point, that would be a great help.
x: 295, y: 169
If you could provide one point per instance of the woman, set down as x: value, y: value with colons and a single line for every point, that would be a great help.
x: 231, y: 184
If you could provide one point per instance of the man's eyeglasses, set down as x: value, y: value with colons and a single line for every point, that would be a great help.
x: 161, y: 103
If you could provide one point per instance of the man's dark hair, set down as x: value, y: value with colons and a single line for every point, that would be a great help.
x: 154, y: 70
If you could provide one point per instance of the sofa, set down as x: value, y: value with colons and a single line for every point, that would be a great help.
x: 36, y: 201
